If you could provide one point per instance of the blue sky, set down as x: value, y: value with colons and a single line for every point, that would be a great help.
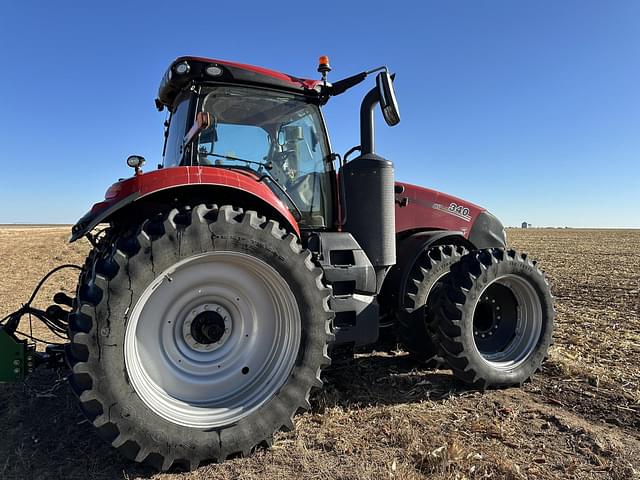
x: 528, y: 108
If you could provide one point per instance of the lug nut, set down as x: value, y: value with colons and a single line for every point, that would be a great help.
x: 16, y: 363
x: 16, y: 371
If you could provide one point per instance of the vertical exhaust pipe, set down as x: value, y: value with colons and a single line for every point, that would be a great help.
x: 367, y: 124
x: 384, y: 94
x: 369, y: 183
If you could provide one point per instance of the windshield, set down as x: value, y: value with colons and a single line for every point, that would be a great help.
x: 273, y: 133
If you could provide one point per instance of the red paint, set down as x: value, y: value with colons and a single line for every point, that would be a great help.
x: 165, y: 178
x: 422, y: 211
x: 294, y: 81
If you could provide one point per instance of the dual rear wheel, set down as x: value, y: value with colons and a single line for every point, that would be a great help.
x: 487, y: 315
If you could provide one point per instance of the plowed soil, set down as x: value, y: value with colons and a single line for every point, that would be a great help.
x: 382, y: 415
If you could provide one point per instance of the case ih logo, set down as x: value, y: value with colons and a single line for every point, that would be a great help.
x: 454, y: 209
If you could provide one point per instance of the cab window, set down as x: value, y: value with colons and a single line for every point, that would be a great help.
x: 178, y: 123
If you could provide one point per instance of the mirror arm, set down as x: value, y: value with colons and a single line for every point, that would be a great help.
x: 367, y: 128
x: 345, y: 84
x: 383, y: 68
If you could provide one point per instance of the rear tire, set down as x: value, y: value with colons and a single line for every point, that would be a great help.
x: 424, y: 286
x: 199, y: 336
x: 495, y: 322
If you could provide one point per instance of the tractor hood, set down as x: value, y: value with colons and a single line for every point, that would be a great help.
x: 419, y: 208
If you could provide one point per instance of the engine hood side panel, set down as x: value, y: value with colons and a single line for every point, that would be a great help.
x: 419, y: 208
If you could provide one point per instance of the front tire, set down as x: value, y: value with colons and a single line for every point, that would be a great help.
x: 495, y: 322
x: 199, y: 336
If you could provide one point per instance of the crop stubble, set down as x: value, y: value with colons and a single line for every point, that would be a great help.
x: 382, y: 415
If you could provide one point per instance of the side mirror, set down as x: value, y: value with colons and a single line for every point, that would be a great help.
x: 388, y: 102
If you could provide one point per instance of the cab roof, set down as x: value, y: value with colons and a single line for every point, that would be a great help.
x: 185, y: 70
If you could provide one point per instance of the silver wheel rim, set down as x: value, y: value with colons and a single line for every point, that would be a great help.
x: 518, y: 319
x: 204, y: 383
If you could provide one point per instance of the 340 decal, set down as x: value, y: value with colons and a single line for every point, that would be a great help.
x: 456, y: 210
x: 459, y: 209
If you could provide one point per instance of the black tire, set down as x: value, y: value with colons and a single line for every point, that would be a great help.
x: 424, y: 286
x: 490, y: 296
x: 110, y: 290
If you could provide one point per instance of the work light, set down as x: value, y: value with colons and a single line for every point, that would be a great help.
x: 182, y: 68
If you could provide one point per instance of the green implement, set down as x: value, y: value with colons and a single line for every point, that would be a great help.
x: 16, y: 358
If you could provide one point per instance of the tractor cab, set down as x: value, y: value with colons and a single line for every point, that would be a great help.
x: 263, y: 122
x: 278, y: 136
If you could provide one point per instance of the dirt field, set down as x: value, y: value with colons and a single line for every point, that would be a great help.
x: 383, y: 416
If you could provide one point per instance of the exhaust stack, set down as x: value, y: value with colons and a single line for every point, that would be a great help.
x: 367, y: 123
x: 369, y: 183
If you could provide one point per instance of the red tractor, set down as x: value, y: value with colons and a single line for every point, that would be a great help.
x: 213, y: 298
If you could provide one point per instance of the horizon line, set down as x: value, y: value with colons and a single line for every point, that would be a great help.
x: 512, y: 227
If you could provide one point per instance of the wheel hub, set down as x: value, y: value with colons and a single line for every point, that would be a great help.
x: 487, y: 318
x: 507, y: 321
x: 207, y: 327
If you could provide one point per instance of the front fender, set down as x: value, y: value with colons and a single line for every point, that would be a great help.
x: 130, y: 190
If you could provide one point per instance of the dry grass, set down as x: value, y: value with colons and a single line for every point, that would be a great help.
x: 383, y: 416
